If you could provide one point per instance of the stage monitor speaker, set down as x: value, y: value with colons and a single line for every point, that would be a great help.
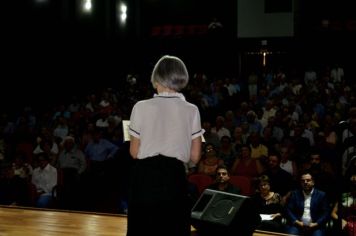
x: 218, y: 207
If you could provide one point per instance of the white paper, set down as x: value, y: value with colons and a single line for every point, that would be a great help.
x: 125, y: 127
x: 266, y: 216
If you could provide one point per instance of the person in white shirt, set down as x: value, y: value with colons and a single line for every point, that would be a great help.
x: 44, y: 178
x: 219, y: 128
x: 165, y: 134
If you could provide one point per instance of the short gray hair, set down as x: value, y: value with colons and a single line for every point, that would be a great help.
x: 170, y: 72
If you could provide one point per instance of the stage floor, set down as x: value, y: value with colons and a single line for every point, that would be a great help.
x: 16, y: 221
x: 21, y: 221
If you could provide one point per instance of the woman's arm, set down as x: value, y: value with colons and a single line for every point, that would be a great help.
x: 134, y: 146
x: 334, y: 212
x: 195, y: 150
x: 335, y: 216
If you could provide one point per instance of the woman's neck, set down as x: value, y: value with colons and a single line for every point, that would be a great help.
x: 162, y: 89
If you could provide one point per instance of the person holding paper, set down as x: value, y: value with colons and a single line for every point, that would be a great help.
x: 165, y: 133
x: 268, y: 205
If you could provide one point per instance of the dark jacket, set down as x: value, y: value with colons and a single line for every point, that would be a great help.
x: 319, y: 207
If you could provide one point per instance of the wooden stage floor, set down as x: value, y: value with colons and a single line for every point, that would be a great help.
x: 20, y: 221
x: 16, y: 221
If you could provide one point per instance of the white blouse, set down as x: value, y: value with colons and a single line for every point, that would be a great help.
x: 166, y: 125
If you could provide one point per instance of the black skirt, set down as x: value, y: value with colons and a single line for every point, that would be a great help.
x: 158, y: 199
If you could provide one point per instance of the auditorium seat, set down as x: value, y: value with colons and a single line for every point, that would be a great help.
x: 242, y: 182
x: 202, y: 181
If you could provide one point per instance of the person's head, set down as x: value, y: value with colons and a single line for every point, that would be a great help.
x: 284, y: 152
x: 298, y: 130
x: 351, y: 167
x: 267, y: 133
x: 254, y: 138
x: 46, y: 145
x: 245, y: 151
x: 264, y: 184
x: 251, y: 116
x: 225, y: 141
x: 353, y: 179
x: 97, y: 134
x: 207, y: 126
x: 43, y: 159
x: 274, y: 160
x: 229, y: 115
x: 307, y: 181
x: 68, y: 143
x: 170, y: 72
x: 219, y: 121
x: 210, y: 149
x: 315, y: 158
x: 238, y: 132
x: 222, y: 174
x: 269, y: 105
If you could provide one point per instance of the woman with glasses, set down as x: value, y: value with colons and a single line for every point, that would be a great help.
x: 209, y: 161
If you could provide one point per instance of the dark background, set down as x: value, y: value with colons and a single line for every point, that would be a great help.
x: 50, y: 50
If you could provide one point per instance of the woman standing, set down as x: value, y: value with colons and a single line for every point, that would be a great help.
x: 165, y: 133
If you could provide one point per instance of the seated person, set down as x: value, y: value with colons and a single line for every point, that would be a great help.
x: 245, y: 220
x: 209, y: 161
x: 281, y: 181
x: 222, y: 183
x: 307, y: 209
x: 269, y: 206
x: 8, y: 188
x: 44, y: 178
x: 344, y: 210
x: 245, y: 165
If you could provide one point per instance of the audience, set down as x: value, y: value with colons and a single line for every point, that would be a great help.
x: 286, y: 114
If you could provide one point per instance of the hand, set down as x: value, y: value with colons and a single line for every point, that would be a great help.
x: 40, y: 192
x: 313, y: 225
x: 343, y: 223
x: 275, y: 215
x: 299, y: 223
